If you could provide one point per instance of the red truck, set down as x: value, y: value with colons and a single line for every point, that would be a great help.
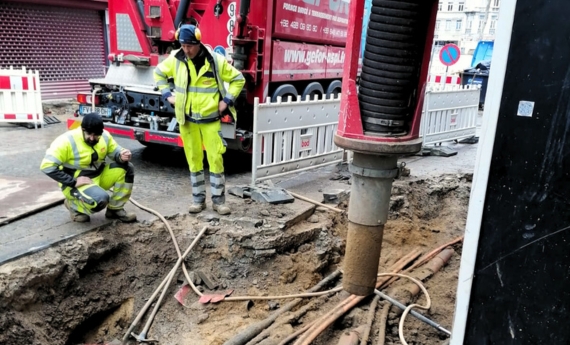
x: 284, y: 48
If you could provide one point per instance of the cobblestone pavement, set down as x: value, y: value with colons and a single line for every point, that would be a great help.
x: 161, y: 183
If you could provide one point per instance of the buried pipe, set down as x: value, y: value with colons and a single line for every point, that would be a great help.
x: 253, y: 330
x: 434, y: 265
x: 352, y: 337
x: 369, y: 320
x: 326, y: 320
x: 165, y: 282
x: 413, y: 312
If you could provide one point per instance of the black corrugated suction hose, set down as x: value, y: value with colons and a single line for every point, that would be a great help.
x: 395, y: 43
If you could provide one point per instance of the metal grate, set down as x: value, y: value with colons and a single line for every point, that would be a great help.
x: 63, y: 44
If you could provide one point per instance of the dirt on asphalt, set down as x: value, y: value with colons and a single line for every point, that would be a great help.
x: 88, y: 290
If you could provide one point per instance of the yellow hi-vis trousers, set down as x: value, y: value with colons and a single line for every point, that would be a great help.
x: 208, y: 135
x: 92, y: 198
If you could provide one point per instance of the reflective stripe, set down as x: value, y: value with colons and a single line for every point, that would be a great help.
x: 52, y: 159
x: 106, y: 138
x: 118, y: 194
x: 77, y: 167
x: 203, y: 89
x: 74, y: 150
x: 50, y: 170
x: 180, y: 89
x: 217, y: 184
x: 177, y: 66
x: 158, y: 72
x: 116, y: 152
x: 198, y: 183
x: 162, y: 82
x: 198, y: 116
x: 230, y: 97
x: 238, y: 77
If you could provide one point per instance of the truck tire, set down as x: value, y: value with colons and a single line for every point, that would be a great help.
x: 334, y: 89
x: 314, y: 88
x: 286, y: 92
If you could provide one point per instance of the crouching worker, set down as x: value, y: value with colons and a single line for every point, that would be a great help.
x: 76, y: 160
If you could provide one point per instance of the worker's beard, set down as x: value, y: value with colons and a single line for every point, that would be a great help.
x: 91, y: 142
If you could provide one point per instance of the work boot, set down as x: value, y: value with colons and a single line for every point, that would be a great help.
x: 196, y: 207
x: 222, y: 209
x: 75, y: 215
x: 122, y: 215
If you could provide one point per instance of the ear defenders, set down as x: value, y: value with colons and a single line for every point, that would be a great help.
x: 194, y: 31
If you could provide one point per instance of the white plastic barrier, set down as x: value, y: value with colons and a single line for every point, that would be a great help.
x: 294, y: 136
x: 20, y: 97
x: 450, y: 113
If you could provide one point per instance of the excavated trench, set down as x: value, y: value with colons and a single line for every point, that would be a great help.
x: 88, y: 290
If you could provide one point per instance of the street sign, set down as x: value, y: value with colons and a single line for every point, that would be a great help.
x: 449, y: 54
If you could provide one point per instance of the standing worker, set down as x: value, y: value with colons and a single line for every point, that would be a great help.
x: 76, y: 160
x: 200, y: 100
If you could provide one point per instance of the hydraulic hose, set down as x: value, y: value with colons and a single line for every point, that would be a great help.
x: 181, y: 12
x: 393, y: 53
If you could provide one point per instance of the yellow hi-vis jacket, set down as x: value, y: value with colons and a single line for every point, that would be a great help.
x: 69, y: 157
x: 198, y: 93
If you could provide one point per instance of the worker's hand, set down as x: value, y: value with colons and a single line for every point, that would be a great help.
x: 82, y: 181
x: 171, y: 100
x: 125, y: 155
x: 222, y: 107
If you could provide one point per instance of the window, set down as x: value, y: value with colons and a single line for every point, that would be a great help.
x: 492, y: 27
x: 448, y: 25
x: 437, y: 24
x: 496, y: 3
x: 439, y: 6
x: 450, y: 6
x: 458, y: 25
x: 461, y: 6
x: 469, y: 26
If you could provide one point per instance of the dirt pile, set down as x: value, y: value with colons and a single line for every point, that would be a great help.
x: 88, y: 290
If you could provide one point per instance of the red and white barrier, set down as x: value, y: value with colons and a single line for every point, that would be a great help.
x: 440, y: 79
x: 20, y: 97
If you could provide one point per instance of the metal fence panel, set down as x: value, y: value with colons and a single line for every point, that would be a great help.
x: 20, y: 97
x: 450, y: 113
x: 294, y: 136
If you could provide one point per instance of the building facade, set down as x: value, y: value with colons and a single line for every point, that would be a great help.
x: 65, y: 40
x: 465, y: 23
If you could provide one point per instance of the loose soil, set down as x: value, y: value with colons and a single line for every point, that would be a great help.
x: 89, y: 289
